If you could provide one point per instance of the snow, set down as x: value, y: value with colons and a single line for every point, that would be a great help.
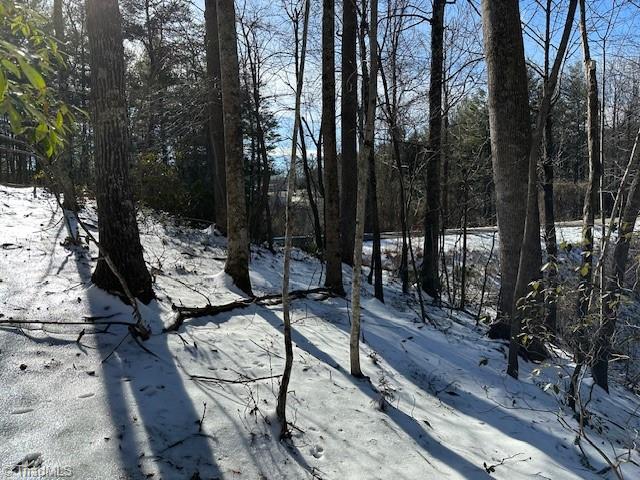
x: 438, y: 404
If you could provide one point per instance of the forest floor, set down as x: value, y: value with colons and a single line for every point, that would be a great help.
x: 438, y: 404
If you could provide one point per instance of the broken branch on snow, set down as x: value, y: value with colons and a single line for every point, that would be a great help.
x: 211, y: 310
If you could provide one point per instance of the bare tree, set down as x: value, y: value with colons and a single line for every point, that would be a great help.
x: 64, y: 170
x: 363, y: 165
x: 117, y: 225
x: 429, y: 272
x: 372, y: 221
x: 259, y: 211
x: 237, y: 264
x: 510, y: 142
x: 591, y: 197
x: 317, y: 227
x: 530, y: 252
x: 394, y: 28
x: 281, y: 408
x: 348, y: 132
x: 333, y: 278
x: 550, y: 239
x: 216, y: 122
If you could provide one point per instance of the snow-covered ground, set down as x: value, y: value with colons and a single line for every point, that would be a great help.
x: 439, y: 404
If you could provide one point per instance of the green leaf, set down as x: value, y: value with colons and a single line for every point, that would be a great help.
x: 41, y: 131
x: 32, y: 75
x: 49, y: 151
x: 10, y: 66
x: 584, y: 270
x: 14, y: 117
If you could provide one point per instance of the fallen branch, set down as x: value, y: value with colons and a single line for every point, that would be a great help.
x: 211, y: 310
x: 203, y: 378
x: 52, y: 322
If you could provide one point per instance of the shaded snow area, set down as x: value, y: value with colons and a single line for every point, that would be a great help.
x: 438, y: 404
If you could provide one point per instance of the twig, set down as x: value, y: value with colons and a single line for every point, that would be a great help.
x: 137, y: 340
x: 116, y: 347
x: 204, y: 412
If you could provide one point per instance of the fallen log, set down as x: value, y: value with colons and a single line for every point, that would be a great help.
x: 265, y: 300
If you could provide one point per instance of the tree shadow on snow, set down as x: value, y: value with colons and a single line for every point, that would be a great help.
x: 409, y: 425
x: 156, y: 426
x: 482, y: 409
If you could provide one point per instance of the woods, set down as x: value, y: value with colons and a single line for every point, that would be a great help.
x: 453, y: 172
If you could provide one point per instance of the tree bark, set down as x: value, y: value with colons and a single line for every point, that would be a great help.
x: 349, y: 118
x: 376, y: 252
x: 585, y: 271
x: 117, y: 226
x: 591, y: 196
x: 237, y: 265
x: 530, y: 253
x: 429, y: 276
x: 333, y: 279
x: 64, y: 170
x: 551, y: 242
x: 363, y: 163
x: 510, y: 136
x: 215, y: 118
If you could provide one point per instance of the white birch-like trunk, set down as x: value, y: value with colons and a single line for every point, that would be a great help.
x: 363, y: 180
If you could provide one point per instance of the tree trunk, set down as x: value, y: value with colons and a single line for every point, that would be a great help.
x: 551, y: 242
x: 465, y: 224
x: 363, y: 163
x: 376, y: 253
x: 64, y: 164
x: 215, y: 118
x: 317, y: 228
x: 530, y: 253
x: 237, y: 265
x: 429, y: 276
x: 395, y: 144
x: 349, y: 118
x: 510, y: 137
x: 118, y: 230
x: 333, y: 279
x: 591, y: 197
x: 281, y: 408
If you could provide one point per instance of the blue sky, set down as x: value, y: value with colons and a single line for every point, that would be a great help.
x: 621, y: 39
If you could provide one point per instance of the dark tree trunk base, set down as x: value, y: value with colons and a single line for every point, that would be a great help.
x: 599, y: 372
x: 499, y: 331
x: 104, y: 279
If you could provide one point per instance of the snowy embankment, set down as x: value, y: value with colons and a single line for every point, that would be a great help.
x: 439, y: 404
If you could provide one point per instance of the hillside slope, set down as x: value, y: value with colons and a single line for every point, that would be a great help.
x: 438, y: 403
